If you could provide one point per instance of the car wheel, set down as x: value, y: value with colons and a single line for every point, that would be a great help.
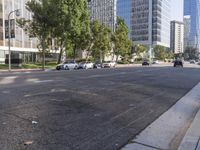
x: 57, y: 68
x: 76, y: 67
x: 66, y: 68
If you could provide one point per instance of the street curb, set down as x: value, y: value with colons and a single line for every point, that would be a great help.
x: 169, y: 129
x: 191, y: 140
x: 24, y: 71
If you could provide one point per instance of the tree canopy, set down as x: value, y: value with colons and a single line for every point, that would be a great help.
x: 191, y: 53
x: 121, y: 41
x: 160, y: 52
x: 100, y: 39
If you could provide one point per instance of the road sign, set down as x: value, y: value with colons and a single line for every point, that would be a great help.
x: 12, y: 28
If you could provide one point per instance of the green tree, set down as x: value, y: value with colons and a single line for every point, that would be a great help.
x: 138, y: 50
x: 100, y: 39
x: 66, y: 22
x: 79, y: 24
x: 59, y: 24
x: 191, y: 53
x: 38, y: 26
x: 160, y: 52
x: 120, y: 39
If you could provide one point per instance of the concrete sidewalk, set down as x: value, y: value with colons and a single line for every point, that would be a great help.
x: 23, y: 70
x: 178, y: 128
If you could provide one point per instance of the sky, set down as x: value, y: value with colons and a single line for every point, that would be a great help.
x: 177, y: 10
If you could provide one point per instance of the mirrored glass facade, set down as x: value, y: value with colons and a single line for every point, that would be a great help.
x: 192, y: 8
x: 104, y: 11
x: 124, y: 10
x: 151, y: 22
x: 148, y: 20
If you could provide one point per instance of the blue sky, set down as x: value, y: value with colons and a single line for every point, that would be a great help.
x: 177, y: 10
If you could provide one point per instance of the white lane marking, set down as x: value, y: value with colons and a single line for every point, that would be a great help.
x: 120, y: 73
x: 105, y: 75
x: 8, y: 80
x: 61, y: 91
x: 6, y: 92
x: 32, y: 80
x: 165, y: 132
x: 43, y: 81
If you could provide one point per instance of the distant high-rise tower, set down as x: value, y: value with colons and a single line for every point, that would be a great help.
x: 177, y: 37
x: 104, y: 11
x: 148, y: 20
x: 187, y: 23
x: 192, y: 8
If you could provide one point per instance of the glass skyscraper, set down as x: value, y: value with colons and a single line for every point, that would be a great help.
x: 103, y: 11
x: 148, y: 20
x: 124, y: 9
x: 192, y: 8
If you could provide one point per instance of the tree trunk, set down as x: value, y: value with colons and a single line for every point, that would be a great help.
x: 101, y: 57
x: 60, y: 54
x: 75, y: 52
x: 88, y: 51
x: 117, y: 56
x: 43, y: 55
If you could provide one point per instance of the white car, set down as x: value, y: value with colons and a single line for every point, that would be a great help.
x: 155, y: 62
x: 109, y: 64
x: 86, y: 65
x: 192, y: 62
x: 68, y: 65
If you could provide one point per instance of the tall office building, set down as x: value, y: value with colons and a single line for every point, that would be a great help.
x: 124, y: 10
x: 104, y: 11
x: 187, y: 22
x: 151, y: 22
x: 21, y: 43
x: 148, y: 20
x: 192, y: 8
x: 177, y: 37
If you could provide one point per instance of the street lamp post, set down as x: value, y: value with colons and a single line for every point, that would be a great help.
x: 17, y: 13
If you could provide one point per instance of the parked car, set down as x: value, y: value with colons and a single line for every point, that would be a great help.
x: 86, y: 65
x: 155, y: 62
x: 178, y: 62
x: 192, y: 61
x: 145, y: 63
x: 97, y: 65
x: 109, y: 64
x: 68, y: 65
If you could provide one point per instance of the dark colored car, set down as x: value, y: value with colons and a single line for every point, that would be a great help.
x: 178, y: 62
x: 145, y: 63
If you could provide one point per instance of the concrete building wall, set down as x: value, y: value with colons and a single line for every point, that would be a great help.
x: 21, y: 42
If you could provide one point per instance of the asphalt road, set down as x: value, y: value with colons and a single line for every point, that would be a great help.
x: 86, y: 109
